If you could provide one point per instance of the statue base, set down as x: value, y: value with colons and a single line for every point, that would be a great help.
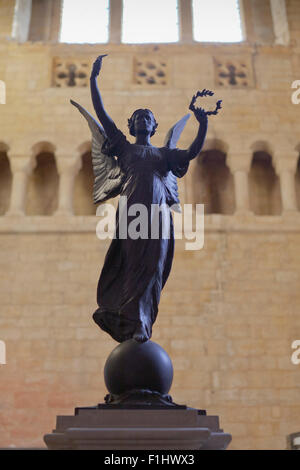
x: 137, y: 427
x: 142, y: 398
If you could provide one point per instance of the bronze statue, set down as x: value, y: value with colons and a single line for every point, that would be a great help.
x: 136, y: 270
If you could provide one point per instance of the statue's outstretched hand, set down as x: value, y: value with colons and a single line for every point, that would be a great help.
x: 97, y: 65
x: 200, y: 114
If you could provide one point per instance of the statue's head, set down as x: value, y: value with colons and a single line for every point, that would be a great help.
x: 142, y: 120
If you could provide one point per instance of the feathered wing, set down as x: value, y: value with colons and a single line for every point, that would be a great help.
x: 107, y: 172
x: 170, y: 179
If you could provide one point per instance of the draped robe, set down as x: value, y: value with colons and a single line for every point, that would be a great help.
x: 136, y: 269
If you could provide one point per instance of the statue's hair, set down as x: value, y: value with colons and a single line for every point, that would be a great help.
x: 131, y: 122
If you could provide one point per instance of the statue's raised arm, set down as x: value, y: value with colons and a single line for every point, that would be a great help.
x: 108, y: 176
x: 106, y: 121
x: 179, y: 159
x: 201, y: 116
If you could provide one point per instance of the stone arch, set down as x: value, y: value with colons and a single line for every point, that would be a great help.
x: 262, y: 146
x: 5, y: 178
x: 44, y: 146
x: 264, y: 184
x: 213, y: 183
x: 215, y: 144
x: 83, y: 148
x: 83, y: 185
x: 42, y: 188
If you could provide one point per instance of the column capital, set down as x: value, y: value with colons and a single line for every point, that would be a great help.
x: 68, y: 165
x: 22, y: 163
x: 239, y: 161
x: 285, y: 161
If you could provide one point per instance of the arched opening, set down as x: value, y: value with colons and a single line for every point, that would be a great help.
x: 213, y: 183
x: 42, y: 189
x: 5, y: 181
x: 83, y: 188
x: 264, y: 186
x: 297, y: 184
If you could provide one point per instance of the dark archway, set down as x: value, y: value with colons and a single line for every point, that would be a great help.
x: 42, y: 189
x: 213, y: 183
x: 83, y: 188
x: 5, y: 182
x: 297, y: 184
x: 264, y: 186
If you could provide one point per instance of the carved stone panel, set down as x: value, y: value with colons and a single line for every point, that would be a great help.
x: 234, y: 72
x: 150, y: 71
x: 70, y: 72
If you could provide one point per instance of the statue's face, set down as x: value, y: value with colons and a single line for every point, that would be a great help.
x: 144, y: 122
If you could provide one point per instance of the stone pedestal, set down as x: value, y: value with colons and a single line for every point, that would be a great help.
x: 110, y: 427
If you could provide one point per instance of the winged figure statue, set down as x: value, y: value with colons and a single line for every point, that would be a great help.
x: 136, y: 269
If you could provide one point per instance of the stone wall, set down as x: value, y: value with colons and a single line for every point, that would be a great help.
x: 228, y: 316
x: 6, y: 18
x: 228, y: 313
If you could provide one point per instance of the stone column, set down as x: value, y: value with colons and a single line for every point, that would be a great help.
x: 21, y: 168
x: 239, y: 165
x: 185, y: 21
x: 68, y: 168
x: 21, y: 23
x: 45, y: 20
x: 115, y: 21
x: 280, y: 22
x: 288, y: 193
x: 286, y: 168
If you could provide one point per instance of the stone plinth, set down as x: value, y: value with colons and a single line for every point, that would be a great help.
x: 147, y: 429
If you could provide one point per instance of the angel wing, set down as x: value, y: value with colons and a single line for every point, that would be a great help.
x: 170, y: 179
x: 107, y: 172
